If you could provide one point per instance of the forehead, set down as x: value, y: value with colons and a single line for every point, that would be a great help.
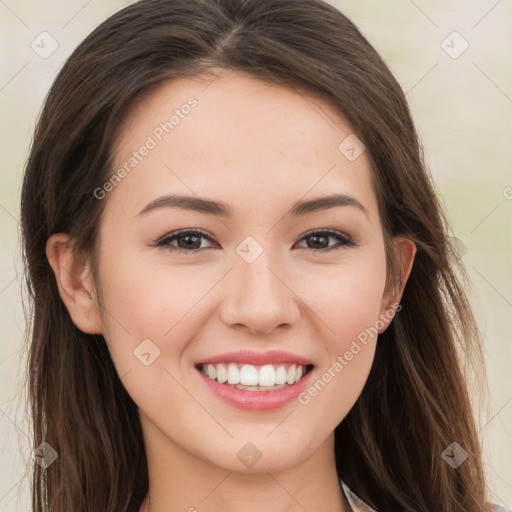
x: 234, y: 136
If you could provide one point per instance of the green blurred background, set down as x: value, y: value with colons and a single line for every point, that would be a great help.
x: 461, y: 102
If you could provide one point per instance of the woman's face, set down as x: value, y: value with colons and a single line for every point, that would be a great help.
x: 256, y: 281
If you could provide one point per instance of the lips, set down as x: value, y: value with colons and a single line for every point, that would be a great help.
x: 268, y: 380
x: 256, y: 358
x: 253, y: 398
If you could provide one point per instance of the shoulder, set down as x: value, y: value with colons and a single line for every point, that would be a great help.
x: 356, y: 504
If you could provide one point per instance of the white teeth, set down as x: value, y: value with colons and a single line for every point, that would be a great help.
x: 222, y: 374
x: 267, y: 376
x: 233, y: 374
x: 290, y: 375
x: 212, y: 373
x: 281, y: 375
x: 248, y: 376
x: 258, y: 388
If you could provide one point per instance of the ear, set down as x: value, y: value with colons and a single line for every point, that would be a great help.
x: 75, y: 284
x: 405, y: 251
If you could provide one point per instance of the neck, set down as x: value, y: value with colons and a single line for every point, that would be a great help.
x: 179, y: 481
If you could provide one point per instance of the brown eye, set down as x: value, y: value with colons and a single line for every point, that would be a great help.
x: 319, y: 240
x: 186, y: 240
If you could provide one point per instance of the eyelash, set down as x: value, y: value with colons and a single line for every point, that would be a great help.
x: 343, y: 240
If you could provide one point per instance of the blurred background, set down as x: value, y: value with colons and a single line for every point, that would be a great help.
x: 453, y: 60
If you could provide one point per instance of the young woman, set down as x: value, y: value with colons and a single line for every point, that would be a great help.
x: 244, y: 294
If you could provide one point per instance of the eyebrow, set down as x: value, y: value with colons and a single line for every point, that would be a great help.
x: 221, y: 209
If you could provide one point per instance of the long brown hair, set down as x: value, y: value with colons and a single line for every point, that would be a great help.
x: 415, y: 402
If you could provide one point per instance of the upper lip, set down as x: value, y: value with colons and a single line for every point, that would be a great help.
x: 257, y: 358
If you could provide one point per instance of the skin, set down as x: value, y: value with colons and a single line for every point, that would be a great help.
x: 259, y: 148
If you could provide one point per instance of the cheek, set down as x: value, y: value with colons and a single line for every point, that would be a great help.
x: 150, y: 298
x: 347, y: 349
x: 346, y: 303
x: 145, y: 301
x: 156, y: 303
x: 347, y: 297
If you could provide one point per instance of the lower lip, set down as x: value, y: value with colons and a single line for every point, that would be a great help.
x: 256, y: 400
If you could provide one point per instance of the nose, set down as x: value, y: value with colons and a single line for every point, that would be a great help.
x: 258, y: 297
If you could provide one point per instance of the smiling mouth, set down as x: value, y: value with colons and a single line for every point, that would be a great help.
x: 268, y: 377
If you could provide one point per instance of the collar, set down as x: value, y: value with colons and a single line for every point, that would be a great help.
x: 355, y: 503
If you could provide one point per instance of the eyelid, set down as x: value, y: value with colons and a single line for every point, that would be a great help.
x: 327, y: 230
x: 163, y: 241
x: 344, y: 240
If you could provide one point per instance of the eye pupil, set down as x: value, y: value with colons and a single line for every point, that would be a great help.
x: 315, y: 239
x: 189, y: 244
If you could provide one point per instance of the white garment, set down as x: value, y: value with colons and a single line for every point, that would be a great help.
x: 356, y: 504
